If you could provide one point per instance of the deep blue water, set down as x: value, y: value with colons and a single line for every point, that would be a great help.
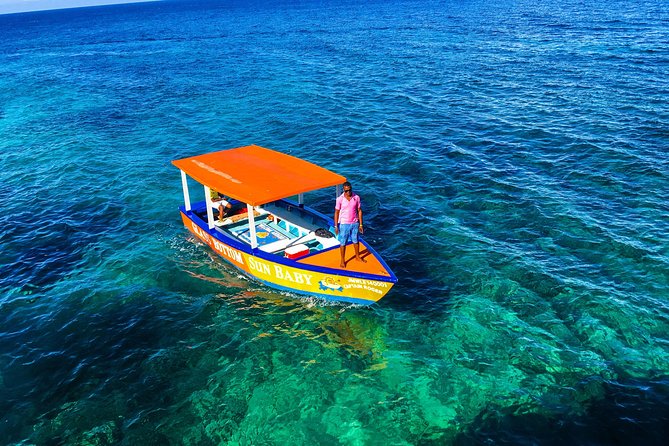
x: 513, y: 163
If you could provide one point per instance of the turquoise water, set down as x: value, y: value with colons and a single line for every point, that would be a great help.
x: 512, y: 161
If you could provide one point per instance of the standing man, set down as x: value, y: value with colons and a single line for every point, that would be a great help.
x: 348, y: 222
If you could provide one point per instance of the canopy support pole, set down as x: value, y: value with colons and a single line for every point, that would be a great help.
x: 210, y: 206
x: 337, y: 191
x: 300, y: 200
x: 252, y: 226
x: 184, y: 185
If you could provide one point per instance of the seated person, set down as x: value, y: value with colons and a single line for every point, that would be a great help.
x: 219, y: 200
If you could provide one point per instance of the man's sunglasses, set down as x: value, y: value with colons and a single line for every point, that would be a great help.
x: 348, y: 190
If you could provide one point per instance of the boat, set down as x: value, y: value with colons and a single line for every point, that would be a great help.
x: 268, y: 233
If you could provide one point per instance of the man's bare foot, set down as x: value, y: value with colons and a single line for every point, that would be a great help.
x: 360, y: 259
x: 342, y: 264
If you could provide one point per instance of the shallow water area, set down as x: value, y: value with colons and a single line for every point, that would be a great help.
x: 512, y: 163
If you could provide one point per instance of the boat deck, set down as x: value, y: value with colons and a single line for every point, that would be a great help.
x: 274, y: 233
x: 331, y: 259
x: 267, y: 232
x: 278, y: 226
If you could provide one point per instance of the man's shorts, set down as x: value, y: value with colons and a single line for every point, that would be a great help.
x: 348, y: 232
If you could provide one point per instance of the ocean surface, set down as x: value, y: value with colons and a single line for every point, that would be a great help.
x: 513, y: 162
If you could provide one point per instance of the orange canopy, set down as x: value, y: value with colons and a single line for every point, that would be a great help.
x: 256, y: 175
